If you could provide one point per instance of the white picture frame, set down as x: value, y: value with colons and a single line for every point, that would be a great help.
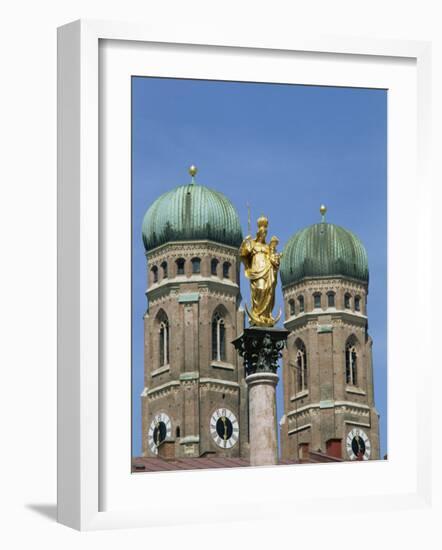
x: 82, y: 446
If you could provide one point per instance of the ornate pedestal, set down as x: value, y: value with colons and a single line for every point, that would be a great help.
x: 261, y: 348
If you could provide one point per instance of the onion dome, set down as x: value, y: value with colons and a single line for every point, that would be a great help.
x: 323, y: 250
x: 191, y: 212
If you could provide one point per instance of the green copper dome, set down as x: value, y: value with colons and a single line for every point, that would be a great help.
x: 191, y: 212
x: 323, y: 250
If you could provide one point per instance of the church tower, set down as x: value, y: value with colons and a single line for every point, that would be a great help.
x: 327, y: 366
x: 195, y: 397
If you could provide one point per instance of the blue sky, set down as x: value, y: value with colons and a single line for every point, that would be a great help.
x: 285, y: 149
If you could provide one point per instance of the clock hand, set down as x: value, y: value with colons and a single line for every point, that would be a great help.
x: 223, y: 418
x: 157, y: 426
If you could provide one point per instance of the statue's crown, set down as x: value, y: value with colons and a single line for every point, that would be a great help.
x: 263, y: 221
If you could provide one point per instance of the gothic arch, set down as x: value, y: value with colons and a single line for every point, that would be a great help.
x: 221, y: 334
x: 352, y: 340
x: 352, y: 360
x: 163, y: 338
x: 161, y: 316
x: 223, y: 311
x: 301, y: 367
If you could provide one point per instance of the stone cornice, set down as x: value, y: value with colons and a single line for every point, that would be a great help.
x: 337, y: 316
x: 299, y: 429
x: 186, y: 248
x: 160, y: 370
x: 219, y: 381
x: 166, y: 286
x: 333, y: 405
x: 164, y: 389
x: 321, y: 283
x: 353, y: 423
x: 222, y: 365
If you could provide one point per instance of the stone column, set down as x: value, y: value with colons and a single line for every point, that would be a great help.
x: 262, y: 421
x: 261, y: 349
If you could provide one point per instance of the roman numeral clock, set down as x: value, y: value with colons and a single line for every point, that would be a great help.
x: 160, y: 428
x: 224, y: 428
x: 358, y: 445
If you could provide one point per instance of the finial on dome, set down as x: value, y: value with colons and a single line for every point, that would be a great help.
x: 193, y: 171
x: 323, y: 211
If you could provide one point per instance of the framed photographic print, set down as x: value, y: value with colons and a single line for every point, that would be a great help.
x: 233, y: 298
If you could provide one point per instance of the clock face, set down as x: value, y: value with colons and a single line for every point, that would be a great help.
x: 159, y: 429
x: 358, y: 445
x: 224, y: 428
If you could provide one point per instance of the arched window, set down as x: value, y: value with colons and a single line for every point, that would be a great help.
x: 331, y: 299
x: 164, y: 268
x: 196, y: 265
x: 317, y: 300
x: 154, y: 274
x: 218, y: 338
x: 292, y: 307
x: 301, y: 367
x: 177, y: 432
x: 351, y: 365
x: 347, y: 300
x: 164, y: 342
x: 357, y: 303
x: 226, y: 270
x: 301, y: 303
x: 214, y: 266
x: 180, y: 266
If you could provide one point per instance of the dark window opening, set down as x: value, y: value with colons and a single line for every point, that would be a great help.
x: 292, y: 307
x: 301, y: 368
x: 164, y: 343
x: 218, y: 338
x: 351, y: 365
x: 301, y: 303
x: 196, y: 265
x: 317, y: 300
x: 214, y: 266
x: 180, y: 266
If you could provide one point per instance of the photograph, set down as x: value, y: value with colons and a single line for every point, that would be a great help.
x: 259, y: 274
x: 221, y: 240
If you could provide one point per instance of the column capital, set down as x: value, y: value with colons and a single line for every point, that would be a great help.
x: 261, y: 348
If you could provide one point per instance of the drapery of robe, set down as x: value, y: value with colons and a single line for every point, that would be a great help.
x: 261, y: 273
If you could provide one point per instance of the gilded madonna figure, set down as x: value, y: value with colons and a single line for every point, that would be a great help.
x: 261, y: 263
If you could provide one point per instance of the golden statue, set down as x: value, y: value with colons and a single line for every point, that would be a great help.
x: 261, y: 263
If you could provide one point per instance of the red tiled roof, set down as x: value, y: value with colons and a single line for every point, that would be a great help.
x: 144, y: 464
x: 148, y: 464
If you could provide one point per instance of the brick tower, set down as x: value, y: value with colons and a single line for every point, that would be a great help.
x: 195, y: 397
x: 327, y: 366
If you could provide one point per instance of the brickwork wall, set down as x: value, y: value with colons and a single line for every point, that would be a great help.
x: 330, y: 407
x: 192, y: 386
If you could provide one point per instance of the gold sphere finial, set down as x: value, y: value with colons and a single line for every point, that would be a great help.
x: 193, y: 170
x: 323, y: 209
